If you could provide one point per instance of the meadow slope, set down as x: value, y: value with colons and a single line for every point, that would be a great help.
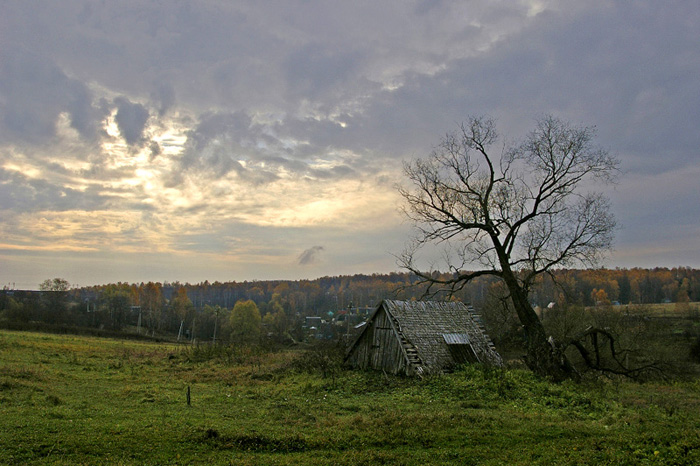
x: 81, y: 400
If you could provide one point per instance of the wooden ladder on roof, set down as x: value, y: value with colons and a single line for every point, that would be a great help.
x: 408, y: 347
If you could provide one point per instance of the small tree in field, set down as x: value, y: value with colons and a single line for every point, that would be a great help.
x: 245, y: 322
x: 511, y: 211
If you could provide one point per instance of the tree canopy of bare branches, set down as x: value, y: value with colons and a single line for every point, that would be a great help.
x: 514, y: 211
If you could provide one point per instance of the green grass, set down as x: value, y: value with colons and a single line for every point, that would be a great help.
x: 80, y: 400
x: 682, y: 310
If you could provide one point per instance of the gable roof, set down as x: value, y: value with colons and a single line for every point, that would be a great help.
x: 437, y: 332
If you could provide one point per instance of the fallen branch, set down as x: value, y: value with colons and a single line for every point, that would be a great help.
x: 595, y: 358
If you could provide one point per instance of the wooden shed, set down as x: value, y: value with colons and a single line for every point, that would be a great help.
x: 421, y: 337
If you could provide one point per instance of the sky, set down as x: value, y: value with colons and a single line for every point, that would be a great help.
x: 145, y: 140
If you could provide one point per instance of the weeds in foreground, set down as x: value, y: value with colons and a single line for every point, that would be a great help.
x: 325, y: 358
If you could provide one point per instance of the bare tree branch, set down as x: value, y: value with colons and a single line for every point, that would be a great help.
x: 518, y: 215
x: 598, y: 338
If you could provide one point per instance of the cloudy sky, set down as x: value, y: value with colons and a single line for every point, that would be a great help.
x: 225, y: 140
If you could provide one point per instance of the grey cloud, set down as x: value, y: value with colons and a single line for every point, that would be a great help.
x: 222, y: 141
x: 163, y: 97
x: 131, y: 119
x: 634, y: 83
x: 338, y: 172
x: 19, y: 193
x: 217, y: 145
x: 101, y: 169
x: 156, y: 150
x: 626, y: 68
x: 425, y: 6
x: 232, y: 142
x: 124, y: 44
x: 236, y: 125
x: 228, y: 54
x: 259, y: 77
x: 202, y: 242
x: 310, y: 256
x: 34, y: 91
x: 316, y: 68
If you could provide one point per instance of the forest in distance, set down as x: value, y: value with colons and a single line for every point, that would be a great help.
x: 575, y: 286
x: 166, y: 307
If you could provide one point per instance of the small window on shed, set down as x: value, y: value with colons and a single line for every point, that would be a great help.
x: 460, y: 347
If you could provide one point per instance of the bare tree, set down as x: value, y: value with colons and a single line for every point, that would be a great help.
x: 515, y: 214
x: 60, y: 285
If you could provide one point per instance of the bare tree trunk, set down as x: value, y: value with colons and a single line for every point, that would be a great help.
x: 544, y: 357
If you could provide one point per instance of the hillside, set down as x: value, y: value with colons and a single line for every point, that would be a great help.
x: 77, y: 400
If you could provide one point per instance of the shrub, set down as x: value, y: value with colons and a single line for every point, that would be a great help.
x: 695, y: 350
x: 325, y: 357
x: 225, y: 354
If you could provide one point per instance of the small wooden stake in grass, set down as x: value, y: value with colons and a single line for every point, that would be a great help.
x: 188, y: 395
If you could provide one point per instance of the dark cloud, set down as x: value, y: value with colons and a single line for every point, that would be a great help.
x: 19, y: 193
x: 310, y: 256
x: 33, y: 92
x: 163, y: 97
x: 156, y: 150
x: 316, y: 68
x: 222, y: 143
x: 131, y: 119
x: 627, y: 78
x: 213, y: 125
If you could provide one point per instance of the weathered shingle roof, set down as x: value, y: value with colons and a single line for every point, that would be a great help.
x: 426, y: 323
x: 435, y: 335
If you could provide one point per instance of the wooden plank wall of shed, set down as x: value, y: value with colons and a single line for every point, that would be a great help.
x: 379, y: 348
x: 386, y: 348
x: 359, y: 357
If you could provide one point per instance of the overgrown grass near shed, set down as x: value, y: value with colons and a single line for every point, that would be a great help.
x: 80, y: 400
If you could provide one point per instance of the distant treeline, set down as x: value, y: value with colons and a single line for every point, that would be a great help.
x: 197, y: 309
x: 637, y: 285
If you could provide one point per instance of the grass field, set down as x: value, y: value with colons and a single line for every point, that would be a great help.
x: 681, y: 310
x: 80, y: 400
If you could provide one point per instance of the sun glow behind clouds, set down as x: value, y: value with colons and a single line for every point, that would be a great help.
x: 348, y: 205
x: 137, y: 198
x: 73, y: 230
x: 26, y: 170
